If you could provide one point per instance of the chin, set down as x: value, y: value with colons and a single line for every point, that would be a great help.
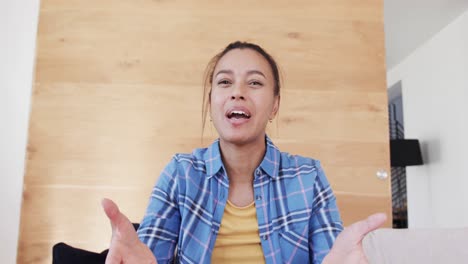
x: 238, y: 138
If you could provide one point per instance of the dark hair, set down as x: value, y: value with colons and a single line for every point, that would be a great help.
x: 209, y: 71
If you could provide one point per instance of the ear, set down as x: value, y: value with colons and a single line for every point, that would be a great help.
x: 276, y: 105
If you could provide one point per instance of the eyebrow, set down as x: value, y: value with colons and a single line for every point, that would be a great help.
x: 248, y: 73
x: 256, y: 72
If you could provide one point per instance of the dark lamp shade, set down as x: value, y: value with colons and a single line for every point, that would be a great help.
x: 405, y: 152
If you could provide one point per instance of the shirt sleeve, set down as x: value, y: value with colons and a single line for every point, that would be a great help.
x: 325, y: 222
x: 159, y: 229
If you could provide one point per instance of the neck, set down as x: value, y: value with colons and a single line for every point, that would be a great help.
x: 241, y: 161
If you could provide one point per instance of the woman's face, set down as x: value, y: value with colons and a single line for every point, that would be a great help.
x: 242, y: 96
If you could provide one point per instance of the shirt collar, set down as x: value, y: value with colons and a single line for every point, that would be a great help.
x: 269, y: 164
x: 212, y: 157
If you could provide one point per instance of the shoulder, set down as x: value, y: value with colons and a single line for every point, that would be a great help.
x: 193, y: 161
x: 306, y: 172
x: 183, y: 169
x: 289, y: 166
x: 298, y: 163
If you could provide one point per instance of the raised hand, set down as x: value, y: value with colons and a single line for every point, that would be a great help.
x: 125, y: 246
x: 348, y: 245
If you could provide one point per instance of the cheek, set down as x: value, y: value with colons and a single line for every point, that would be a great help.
x: 216, y: 105
x: 264, y: 106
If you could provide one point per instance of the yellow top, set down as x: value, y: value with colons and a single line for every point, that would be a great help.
x: 238, y: 240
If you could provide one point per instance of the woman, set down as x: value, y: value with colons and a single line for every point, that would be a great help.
x: 240, y: 199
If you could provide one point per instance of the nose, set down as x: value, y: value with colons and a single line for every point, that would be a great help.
x: 238, y: 92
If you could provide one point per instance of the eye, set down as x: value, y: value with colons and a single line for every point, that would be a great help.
x: 224, y: 83
x: 256, y: 83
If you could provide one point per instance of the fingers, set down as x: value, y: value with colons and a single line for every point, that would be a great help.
x: 112, y: 258
x: 371, y: 223
x: 111, y: 210
x: 122, y: 228
x: 374, y: 221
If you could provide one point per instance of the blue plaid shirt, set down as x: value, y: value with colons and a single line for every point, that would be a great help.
x: 298, y: 219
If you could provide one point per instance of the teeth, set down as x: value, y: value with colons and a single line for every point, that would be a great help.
x: 238, y: 112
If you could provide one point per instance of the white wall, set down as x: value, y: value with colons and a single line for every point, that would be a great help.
x: 18, y: 26
x: 435, y: 106
x: 409, y: 23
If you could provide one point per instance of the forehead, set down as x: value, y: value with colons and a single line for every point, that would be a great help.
x: 243, y: 60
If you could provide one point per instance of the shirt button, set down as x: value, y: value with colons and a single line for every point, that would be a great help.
x: 259, y: 197
x: 259, y: 172
x: 265, y: 237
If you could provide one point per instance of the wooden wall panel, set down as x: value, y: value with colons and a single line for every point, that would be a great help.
x: 118, y: 91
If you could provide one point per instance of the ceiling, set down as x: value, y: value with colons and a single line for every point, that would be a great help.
x: 410, y: 23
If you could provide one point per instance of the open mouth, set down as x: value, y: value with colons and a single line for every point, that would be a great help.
x: 238, y: 114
